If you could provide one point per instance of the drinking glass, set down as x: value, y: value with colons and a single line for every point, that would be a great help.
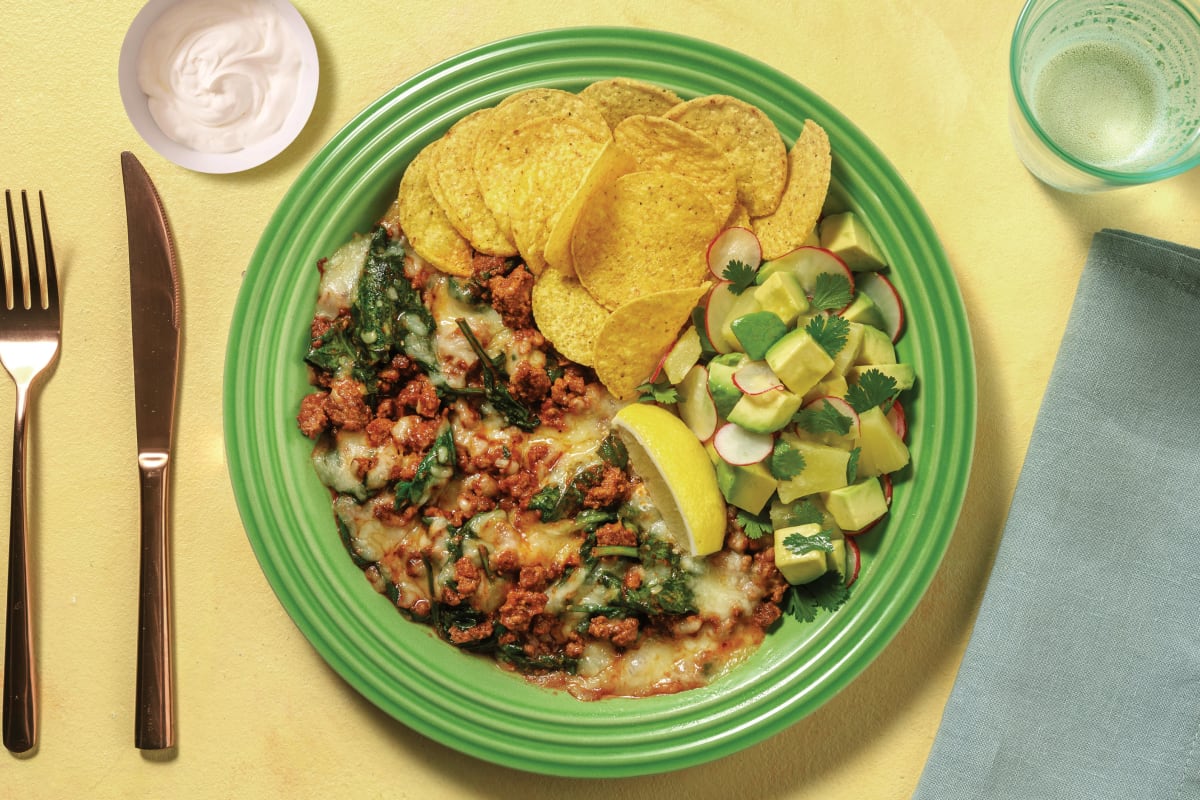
x: 1106, y: 94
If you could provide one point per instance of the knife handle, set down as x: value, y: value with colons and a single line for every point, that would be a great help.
x: 155, y: 710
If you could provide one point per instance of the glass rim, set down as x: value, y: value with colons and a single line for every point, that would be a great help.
x: 1108, y: 175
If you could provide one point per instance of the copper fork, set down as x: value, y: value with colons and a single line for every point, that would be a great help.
x: 30, y: 333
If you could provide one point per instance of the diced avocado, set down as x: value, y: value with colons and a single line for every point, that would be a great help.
x: 829, y: 386
x: 881, y: 448
x: 799, y: 361
x: 757, y: 331
x: 767, y: 412
x: 745, y: 303
x: 856, y: 506
x: 903, y: 374
x: 846, y: 236
x: 877, y: 348
x: 747, y: 487
x: 863, y: 309
x: 803, y: 567
x: 683, y: 354
x: 725, y: 393
x: 835, y: 559
x: 782, y: 294
x: 824, y: 469
x: 848, y: 355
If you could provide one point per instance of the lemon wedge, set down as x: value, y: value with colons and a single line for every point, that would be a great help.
x: 677, y: 473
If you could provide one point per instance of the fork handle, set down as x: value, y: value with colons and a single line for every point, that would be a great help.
x: 20, y: 679
x: 155, y: 710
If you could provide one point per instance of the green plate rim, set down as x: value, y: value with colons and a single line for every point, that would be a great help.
x: 465, y: 702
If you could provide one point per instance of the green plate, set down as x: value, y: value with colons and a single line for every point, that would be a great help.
x: 468, y: 703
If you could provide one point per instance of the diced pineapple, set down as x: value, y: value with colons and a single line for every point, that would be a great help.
x: 824, y: 469
x: 882, y: 449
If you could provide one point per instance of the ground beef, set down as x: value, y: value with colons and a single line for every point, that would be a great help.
x: 765, y: 615
x: 621, y: 632
x: 529, y: 384
x: 312, y: 417
x: 520, y: 607
x: 614, y: 533
x: 612, y: 488
x: 476, y: 633
x: 346, y: 407
x: 512, y: 297
x: 421, y: 396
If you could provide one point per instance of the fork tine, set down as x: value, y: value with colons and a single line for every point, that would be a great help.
x: 48, y: 257
x: 17, y: 297
x: 35, y: 281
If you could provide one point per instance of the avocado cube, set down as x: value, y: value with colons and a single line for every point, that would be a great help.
x: 724, y: 391
x: 846, y: 236
x: 863, y: 309
x: 804, y: 567
x: 799, y: 361
x: 757, y: 331
x: 747, y: 487
x: 903, y: 374
x: 877, y: 347
x: 830, y: 386
x: 782, y: 294
x: 745, y: 303
x: 881, y: 450
x: 835, y: 559
x: 856, y: 506
x: 767, y: 412
x: 824, y: 469
x: 848, y: 355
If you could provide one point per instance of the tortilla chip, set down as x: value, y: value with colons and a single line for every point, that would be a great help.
x: 452, y: 180
x: 567, y: 315
x: 658, y: 143
x: 646, y: 232
x: 623, y: 361
x: 612, y: 163
x: 750, y: 140
x: 619, y: 98
x: 425, y: 223
x: 793, y: 222
x: 492, y: 157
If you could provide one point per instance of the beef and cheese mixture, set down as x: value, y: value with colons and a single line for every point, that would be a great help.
x: 477, y: 483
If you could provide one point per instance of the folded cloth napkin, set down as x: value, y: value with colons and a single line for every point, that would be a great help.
x: 1081, y: 679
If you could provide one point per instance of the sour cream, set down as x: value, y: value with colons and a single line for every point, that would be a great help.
x: 220, y: 75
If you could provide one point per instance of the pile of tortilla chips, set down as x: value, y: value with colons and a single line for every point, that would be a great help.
x: 611, y: 197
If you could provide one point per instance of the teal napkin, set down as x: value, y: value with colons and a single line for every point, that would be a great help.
x: 1081, y: 679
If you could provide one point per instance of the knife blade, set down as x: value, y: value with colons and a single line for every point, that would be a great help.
x: 155, y: 314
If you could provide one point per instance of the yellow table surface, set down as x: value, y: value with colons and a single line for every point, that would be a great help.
x: 260, y: 713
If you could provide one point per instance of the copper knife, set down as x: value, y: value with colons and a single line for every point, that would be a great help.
x: 154, y: 306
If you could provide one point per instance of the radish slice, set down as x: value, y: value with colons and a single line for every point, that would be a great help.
x: 885, y: 480
x: 898, y: 419
x: 806, y: 263
x: 756, y: 377
x: 716, y: 308
x: 853, y: 561
x: 696, y: 407
x: 881, y: 290
x: 843, y: 408
x: 741, y: 447
x: 733, y: 244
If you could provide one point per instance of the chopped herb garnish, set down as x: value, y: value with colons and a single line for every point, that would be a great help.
x: 660, y: 391
x: 824, y: 418
x: 740, y: 276
x: 873, y: 389
x: 829, y: 332
x: 798, y: 544
x: 802, y: 512
x: 827, y: 592
x: 852, y: 465
x: 753, y: 526
x: 786, y: 461
x: 831, y: 292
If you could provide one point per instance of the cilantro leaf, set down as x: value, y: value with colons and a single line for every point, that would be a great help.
x: 823, y: 419
x: 798, y: 544
x: 740, y: 276
x: 786, y: 461
x: 827, y: 592
x: 753, y: 526
x: 660, y: 391
x: 829, y: 332
x: 831, y: 292
x: 873, y: 389
x: 852, y: 465
x: 802, y: 512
